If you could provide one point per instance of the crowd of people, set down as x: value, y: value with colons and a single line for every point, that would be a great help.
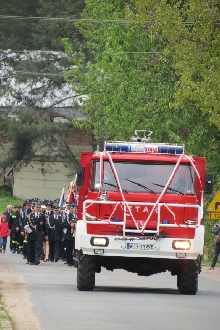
x: 40, y: 231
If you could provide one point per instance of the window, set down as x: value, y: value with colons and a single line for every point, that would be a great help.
x: 144, y: 177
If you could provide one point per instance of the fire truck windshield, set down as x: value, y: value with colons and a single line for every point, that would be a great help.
x: 143, y: 177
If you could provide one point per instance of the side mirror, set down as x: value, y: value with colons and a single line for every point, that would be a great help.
x: 208, y: 189
x: 80, y: 176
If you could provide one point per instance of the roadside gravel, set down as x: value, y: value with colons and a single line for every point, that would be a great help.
x: 211, y: 274
x: 16, y: 299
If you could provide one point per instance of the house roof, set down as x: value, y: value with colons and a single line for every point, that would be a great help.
x: 61, y: 112
x: 68, y: 112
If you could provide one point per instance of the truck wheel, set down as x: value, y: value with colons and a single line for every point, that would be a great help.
x: 187, y: 280
x: 86, y: 273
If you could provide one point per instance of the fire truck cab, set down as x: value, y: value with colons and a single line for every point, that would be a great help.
x: 140, y: 208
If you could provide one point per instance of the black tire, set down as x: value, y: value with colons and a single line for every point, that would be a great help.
x: 187, y: 279
x: 86, y: 273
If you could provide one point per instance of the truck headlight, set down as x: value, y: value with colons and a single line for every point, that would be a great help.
x: 181, y: 245
x: 99, y: 241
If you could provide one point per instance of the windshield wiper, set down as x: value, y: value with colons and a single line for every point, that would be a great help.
x: 113, y: 185
x: 169, y: 188
x: 141, y: 185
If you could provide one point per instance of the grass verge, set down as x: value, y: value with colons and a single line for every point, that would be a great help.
x: 5, y: 319
x: 208, y: 263
x: 7, y: 200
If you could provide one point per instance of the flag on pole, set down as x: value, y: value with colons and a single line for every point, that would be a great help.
x: 71, y: 194
x: 62, y: 197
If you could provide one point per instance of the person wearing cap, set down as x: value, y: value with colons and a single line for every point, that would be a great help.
x: 27, y: 207
x: 68, y: 206
x: 73, y: 210
x: 25, y: 211
x: 37, y: 231
x: 47, y: 212
x: 63, y: 211
x: 68, y: 233
x: 4, y: 233
x: 34, y: 201
x: 54, y: 227
x: 14, y: 228
x: 56, y: 202
x: 19, y: 212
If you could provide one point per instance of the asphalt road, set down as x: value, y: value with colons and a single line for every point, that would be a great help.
x: 120, y: 301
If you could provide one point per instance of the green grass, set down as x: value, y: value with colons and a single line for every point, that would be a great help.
x: 209, y: 261
x: 4, y: 315
x: 6, y: 200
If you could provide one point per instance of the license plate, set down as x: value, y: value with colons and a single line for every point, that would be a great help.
x: 138, y: 246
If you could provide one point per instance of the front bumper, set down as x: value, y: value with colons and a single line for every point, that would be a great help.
x: 134, y: 247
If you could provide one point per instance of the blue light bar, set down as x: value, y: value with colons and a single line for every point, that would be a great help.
x: 171, y: 150
x: 125, y: 148
x: 142, y: 147
x: 118, y: 148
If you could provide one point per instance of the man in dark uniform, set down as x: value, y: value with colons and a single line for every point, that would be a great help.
x: 56, y: 202
x: 25, y: 211
x: 19, y: 212
x: 37, y: 224
x: 14, y: 227
x: 68, y: 233
x: 54, y: 227
x: 47, y: 212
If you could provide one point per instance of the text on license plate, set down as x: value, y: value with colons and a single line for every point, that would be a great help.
x: 138, y: 246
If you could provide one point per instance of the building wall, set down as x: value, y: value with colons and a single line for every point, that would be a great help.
x: 30, y: 181
x: 79, y: 139
x: 47, y: 181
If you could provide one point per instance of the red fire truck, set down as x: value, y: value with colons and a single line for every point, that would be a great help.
x: 140, y: 208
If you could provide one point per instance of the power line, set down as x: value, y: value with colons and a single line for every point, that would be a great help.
x: 90, y: 20
x: 57, y: 52
x: 39, y: 73
x: 80, y: 52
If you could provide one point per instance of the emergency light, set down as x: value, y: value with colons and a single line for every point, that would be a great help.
x: 141, y: 147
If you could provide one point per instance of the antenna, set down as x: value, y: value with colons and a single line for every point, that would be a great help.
x: 141, y: 136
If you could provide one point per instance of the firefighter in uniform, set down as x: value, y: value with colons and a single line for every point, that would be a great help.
x: 25, y: 211
x: 54, y: 227
x: 68, y: 233
x: 37, y: 231
x: 19, y: 211
x: 14, y: 228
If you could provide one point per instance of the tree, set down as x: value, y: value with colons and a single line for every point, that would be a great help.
x: 130, y: 80
x: 127, y: 83
x: 35, y: 30
x: 190, y: 30
x: 146, y: 73
x: 190, y: 33
x: 32, y: 83
x: 27, y: 129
